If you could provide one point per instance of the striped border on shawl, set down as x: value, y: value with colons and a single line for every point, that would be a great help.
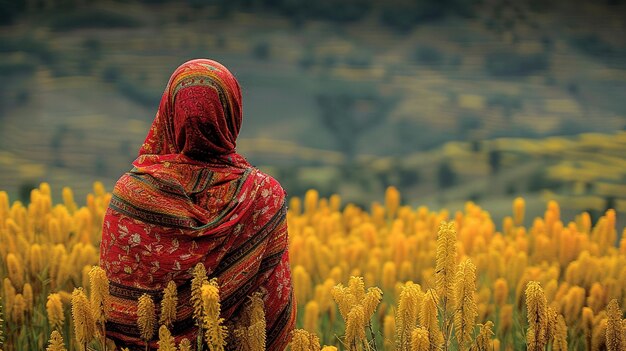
x: 159, y: 218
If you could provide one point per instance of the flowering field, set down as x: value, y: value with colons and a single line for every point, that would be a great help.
x: 390, y: 277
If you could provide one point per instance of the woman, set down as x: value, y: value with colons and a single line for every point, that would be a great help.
x: 191, y: 198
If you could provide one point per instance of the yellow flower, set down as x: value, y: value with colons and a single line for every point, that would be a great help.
x: 355, y: 328
x: 614, y: 331
x: 146, y: 317
x: 500, y: 292
x: 169, y: 304
x: 56, y: 342
x: 311, y: 198
x: 392, y: 201
x: 9, y: 296
x: 99, y: 289
x: 54, y: 308
x: 389, y: 275
x: 199, y: 278
x: 302, y: 340
x: 537, y: 316
x: 371, y: 301
x: 560, y: 335
x: 420, y: 340
x: 27, y: 291
x: 466, y: 310
x: 184, y: 345
x: 166, y: 340
x: 214, y: 331
x: 15, y: 270
x: 302, y: 284
x: 311, y: 316
x: 68, y: 199
x: 409, y: 308
x: 445, y: 268
x: 483, y: 340
x: 19, y: 309
x: 84, y: 323
x: 428, y: 318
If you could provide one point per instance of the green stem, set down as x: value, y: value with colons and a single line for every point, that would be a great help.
x: 372, y: 335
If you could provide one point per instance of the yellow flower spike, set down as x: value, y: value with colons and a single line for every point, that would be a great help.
x: 371, y: 301
x: 560, y: 334
x: 146, y: 317
x: 311, y: 198
x: 389, y: 276
x: 355, y: 328
x: 54, y: 309
x: 356, y: 287
x: 27, y: 291
x: 19, y: 309
x: 419, y: 339
x: 483, y: 340
x: 329, y: 348
x: 466, y: 310
x: 614, y: 332
x: 445, y: 268
x: 295, y: 206
x: 392, y: 201
x: 15, y: 270
x: 68, y: 199
x: 496, y: 344
x: 406, y: 271
x: 99, y: 294
x: 184, y: 345
x: 428, y: 318
x: 598, y: 339
x: 335, y: 202
x: 84, y: 323
x: 519, y: 206
x: 302, y: 284
x: 4, y: 207
x: 343, y: 299
x: 537, y: 316
x: 36, y: 261
x: 595, y: 300
x: 199, y: 278
x: 56, y: 342
x: 169, y: 304
x: 409, y: 307
x: 500, y: 292
x: 214, y: 331
x: 257, y: 328
x: 166, y: 340
x: 302, y: 340
x: 311, y: 316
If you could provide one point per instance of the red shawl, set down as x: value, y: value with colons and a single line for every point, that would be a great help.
x: 191, y: 198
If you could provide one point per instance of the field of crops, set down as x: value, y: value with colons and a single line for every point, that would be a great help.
x: 390, y: 277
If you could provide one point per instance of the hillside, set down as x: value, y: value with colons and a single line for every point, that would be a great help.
x: 326, y: 102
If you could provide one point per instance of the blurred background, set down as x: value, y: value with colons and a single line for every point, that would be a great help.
x: 448, y: 100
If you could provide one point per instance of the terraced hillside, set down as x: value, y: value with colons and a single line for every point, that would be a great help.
x: 82, y: 98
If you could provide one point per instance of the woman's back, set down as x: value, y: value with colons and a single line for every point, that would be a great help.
x: 190, y: 199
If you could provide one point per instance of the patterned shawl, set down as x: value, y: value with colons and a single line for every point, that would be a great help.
x: 191, y: 198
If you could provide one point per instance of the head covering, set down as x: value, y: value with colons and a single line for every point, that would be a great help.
x: 189, y: 199
x: 199, y: 114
